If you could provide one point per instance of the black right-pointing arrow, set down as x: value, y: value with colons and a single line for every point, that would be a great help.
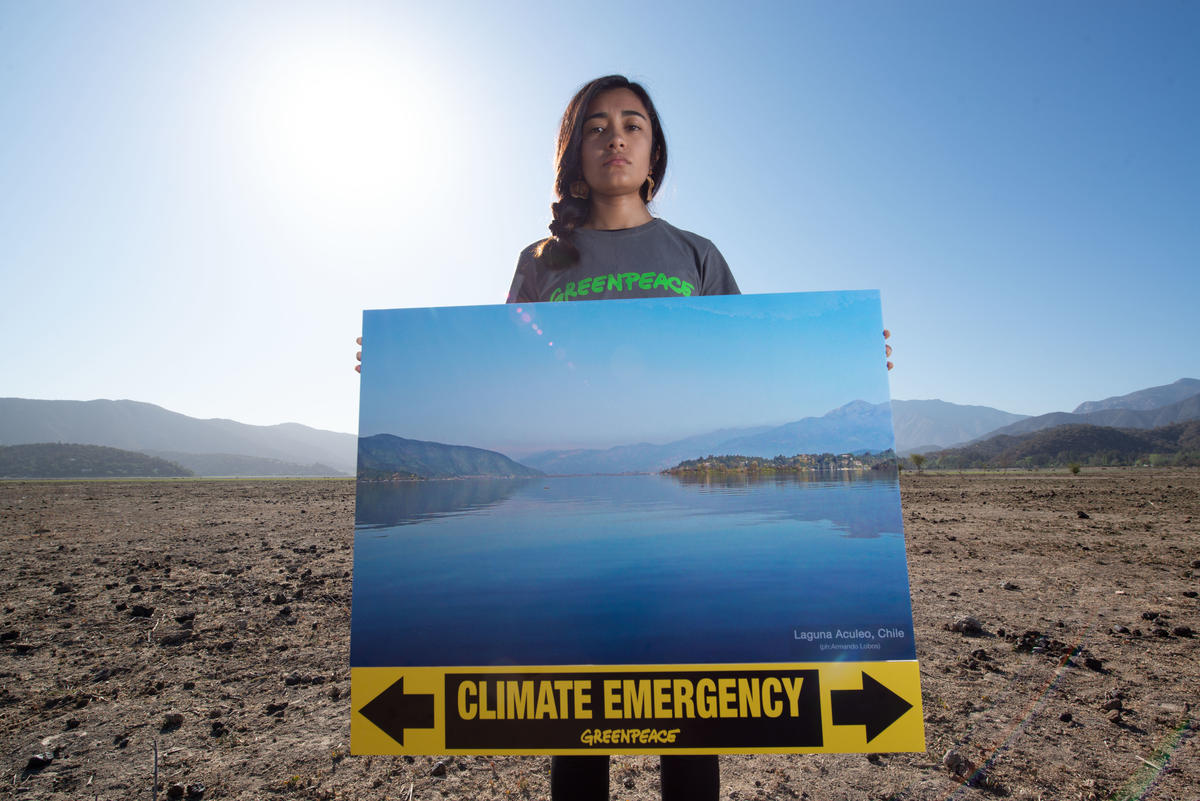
x: 394, y: 711
x: 874, y: 706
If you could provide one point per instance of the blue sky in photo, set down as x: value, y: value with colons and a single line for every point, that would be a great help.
x: 564, y: 375
x: 200, y: 198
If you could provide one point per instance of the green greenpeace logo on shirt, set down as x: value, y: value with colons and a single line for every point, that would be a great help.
x: 622, y: 282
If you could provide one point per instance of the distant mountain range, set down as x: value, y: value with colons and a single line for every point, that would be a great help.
x: 1187, y: 409
x: 854, y: 428
x: 384, y: 457
x: 923, y: 425
x: 285, y: 449
x: 227, y: 448
x: 1144, y: 399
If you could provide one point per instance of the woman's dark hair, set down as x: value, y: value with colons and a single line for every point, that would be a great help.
x: 559, y: 251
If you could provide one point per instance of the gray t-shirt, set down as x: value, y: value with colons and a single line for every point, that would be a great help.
x: 654, y: 260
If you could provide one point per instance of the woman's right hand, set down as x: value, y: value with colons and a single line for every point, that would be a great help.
x: 358, y: 367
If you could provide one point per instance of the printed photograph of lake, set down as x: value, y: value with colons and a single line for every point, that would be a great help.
x: 666, y: 481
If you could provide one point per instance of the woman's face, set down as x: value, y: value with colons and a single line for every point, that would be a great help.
x: 617, y: 143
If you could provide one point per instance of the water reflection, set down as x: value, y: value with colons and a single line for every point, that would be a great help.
x: 858, y: 504
x: 633, y: 569
x: 400, y: 503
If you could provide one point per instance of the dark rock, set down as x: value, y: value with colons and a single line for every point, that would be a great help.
x: 121, y: 607
x: 1008, y: 585
x: 189, y: 685
x: 1082, y: 515
x: 1190, y: 593
x: 1065, y: 717
x: 1150, y: 615
x: 275, y: 709
x: 9, y: 636
x: 218, y: 728
x: 141, y: 611
x: 39, y: 761
x: 72, y: 723
x: 172, y: 721
x: 968, y: 626
x: 1119, y: 630
x: 63, y: 587
x: 1182, y: 631
x: 334, y: 693
x: 187, y: 619
x: 291, y: 679
x: 176, y: 790
x: 1114, y: 717
x: 1160, y: 632
x: 196, y: 790
x: 958, y: 765
x: 1111, y: 704
x: 438, y: 770
x: 174, y: 637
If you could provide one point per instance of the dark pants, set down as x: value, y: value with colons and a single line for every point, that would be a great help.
x: 585, y: 778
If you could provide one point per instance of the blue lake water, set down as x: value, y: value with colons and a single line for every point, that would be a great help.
x: 643, y: 569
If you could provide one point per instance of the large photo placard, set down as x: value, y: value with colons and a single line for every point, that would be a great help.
x: 659, y: 526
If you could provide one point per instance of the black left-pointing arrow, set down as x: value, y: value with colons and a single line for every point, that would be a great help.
x: 394, y: 711
x: 874, y: 706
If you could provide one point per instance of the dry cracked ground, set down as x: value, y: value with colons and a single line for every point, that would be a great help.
x: 209, y: 620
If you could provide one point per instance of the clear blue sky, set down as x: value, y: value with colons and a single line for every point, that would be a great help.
x: 520, y: 379
x: 200, y: 198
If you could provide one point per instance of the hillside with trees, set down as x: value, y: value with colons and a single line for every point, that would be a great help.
x: 386, y: 457
x: 1174, y: 445
x: 58, y: 460
x: 800, y: 463
x: 135, y: 426
x: 234, y: 464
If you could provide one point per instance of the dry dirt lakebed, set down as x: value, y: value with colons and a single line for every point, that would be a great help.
x: 211, y: 620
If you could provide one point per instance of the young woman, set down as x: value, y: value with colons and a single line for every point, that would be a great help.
x: 604, y: 243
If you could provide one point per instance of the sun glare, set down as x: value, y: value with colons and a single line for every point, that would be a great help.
x: 345, y: 130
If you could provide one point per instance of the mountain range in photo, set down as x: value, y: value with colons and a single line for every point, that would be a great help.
x: 1158, y: 419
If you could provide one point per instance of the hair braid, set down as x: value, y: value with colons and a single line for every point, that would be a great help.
x: 558, y: 251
